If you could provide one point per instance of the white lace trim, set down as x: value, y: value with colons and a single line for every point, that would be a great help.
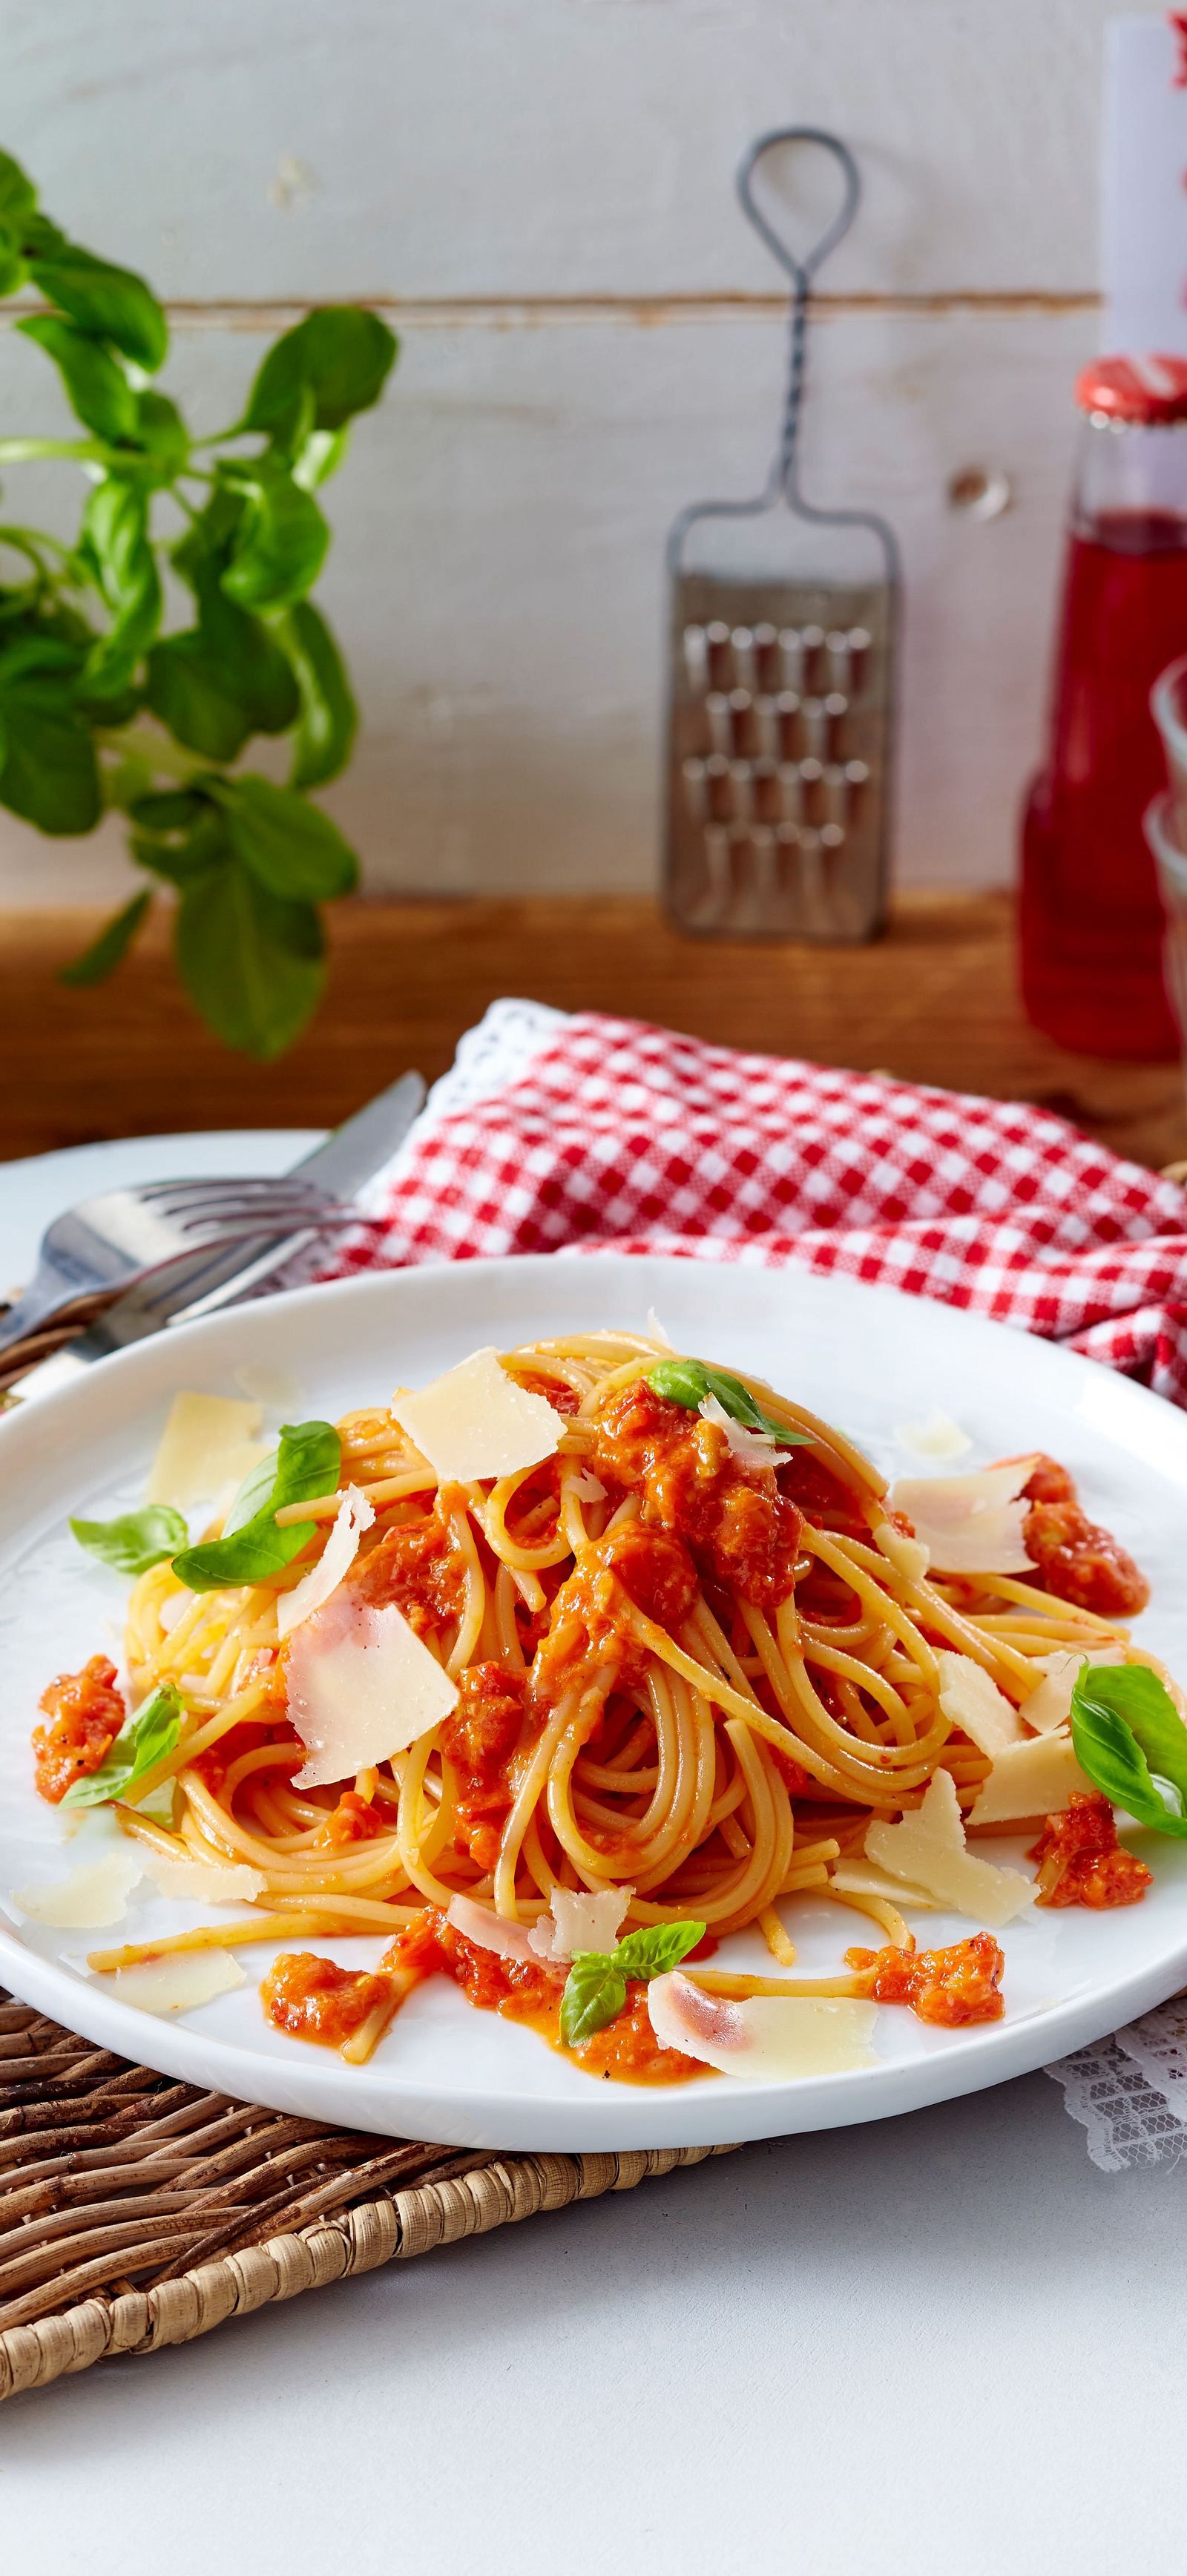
x: 1129, y: 2093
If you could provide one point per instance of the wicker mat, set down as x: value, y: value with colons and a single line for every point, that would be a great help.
x: 136, y: 2212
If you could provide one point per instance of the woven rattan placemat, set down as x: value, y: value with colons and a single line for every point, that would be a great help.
x: 136, y: 2212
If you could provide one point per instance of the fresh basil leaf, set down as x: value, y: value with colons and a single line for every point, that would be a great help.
x: 136, y: 1540
x: 339, y: 355
x: 180, y: 857
x: 96, y: 963
x: 252, y: 965
x: 18, y: 196
x: 115, y: 544
x: 595, y: 1992
x: 162, y: 433
x: 595, y: 1988
x: 688, y: 1382
x: 305, y: 1465
x: 13, y: 270
x: 291, y: 847
x: 280, y: 544
x: 329, y: 717
x: 323, y: 452
x: 194, y: 695
x: 49, y: 772
x: 110, y: 301
x: 138, y: 1747
x: 658, y: 1947
x: 1114, y: 1730
x: 1136, y: 1694
x: 97, y: 387
x: 242, y: 658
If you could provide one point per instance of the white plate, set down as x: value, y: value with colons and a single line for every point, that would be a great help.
x: 864, y: 1357
x: 36, y: 1189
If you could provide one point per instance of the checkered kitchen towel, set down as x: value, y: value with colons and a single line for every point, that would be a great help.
x: 554, y: 1134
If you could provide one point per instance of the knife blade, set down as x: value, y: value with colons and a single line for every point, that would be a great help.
x: 207, y: 1282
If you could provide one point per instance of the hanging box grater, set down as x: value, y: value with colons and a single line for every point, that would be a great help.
x: 782, y: 642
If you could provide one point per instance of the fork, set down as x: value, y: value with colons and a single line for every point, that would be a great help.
x: 109, y: 1243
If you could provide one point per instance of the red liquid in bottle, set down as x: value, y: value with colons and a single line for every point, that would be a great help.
x: 1091, y: 921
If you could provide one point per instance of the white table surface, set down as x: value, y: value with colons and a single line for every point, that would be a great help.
x: 942, y: 2346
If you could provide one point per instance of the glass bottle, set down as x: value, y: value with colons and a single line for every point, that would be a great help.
x: 1090, y: 918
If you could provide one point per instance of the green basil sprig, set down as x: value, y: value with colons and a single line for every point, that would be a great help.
x: 1131, y: 1742
x: 595, y: 1989
x: 91, y: 641
x: 305, y: 1466
x: 136, y: 1540
x: 688, y: 1382
x: 142, y: 1743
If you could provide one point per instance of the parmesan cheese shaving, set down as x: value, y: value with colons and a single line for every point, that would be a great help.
x: 95, y: 1893
x: 1051, y: 1704
x: 581, y: 1919
x: 476, y: 1422
x: 938, y: 1437
x: 772, y: 2039
x: 750, y: 1448
x: 587, y: 1487
x: 205, y: 1883
x: 970, y: 1699
x: 490, y: 1931
x: 863, y: 1878
x: 354, y: 1515
x: 928, y: 1850
x: 1029, y: 1779
x: 361, y: 1686
x: 209, y: 1442
x: 970, y: 1524
x: 177, y: 1982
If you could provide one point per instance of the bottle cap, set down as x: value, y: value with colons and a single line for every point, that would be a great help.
x: 1147, y: 391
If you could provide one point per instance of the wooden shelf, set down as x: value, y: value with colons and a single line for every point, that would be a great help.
x: 932, y: 1002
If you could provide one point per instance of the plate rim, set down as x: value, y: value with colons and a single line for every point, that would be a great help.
x: 709, y: 2113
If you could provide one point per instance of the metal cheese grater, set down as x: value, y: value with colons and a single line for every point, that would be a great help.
x: 783, y: 630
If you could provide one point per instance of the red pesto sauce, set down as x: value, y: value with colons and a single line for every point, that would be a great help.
x: 85, y: 1713
x: 1076, y: 1559
x: 951, y: 1987
x: 311, y: 1998
x: 1081, y: 1861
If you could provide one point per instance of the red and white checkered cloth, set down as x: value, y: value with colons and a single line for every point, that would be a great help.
x: 586, y: 1133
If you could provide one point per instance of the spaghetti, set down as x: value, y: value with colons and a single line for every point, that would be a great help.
x: 692, y: 1664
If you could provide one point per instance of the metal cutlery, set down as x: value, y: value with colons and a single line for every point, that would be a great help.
x: 202, y: 1282
x: 109, y: 1242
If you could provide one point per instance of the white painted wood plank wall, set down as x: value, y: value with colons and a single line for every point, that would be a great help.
x: 539, y: 194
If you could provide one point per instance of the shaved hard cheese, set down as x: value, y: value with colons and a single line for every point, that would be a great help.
x: 772, y: 2039
x: 209, y: 1441
x: 581, y: 1918
x: 1051, y: 1705
x: 96, y: 1892
x: 361, y: 1686
x: 1029, y: 1779
x: 176, y: 1982
x: 928, y: 1850
x: 750, y: 1448
x: 970, y: 1524
x: 488, y: 1930
x: 970, y: 1699
x: 354, y: 1515
x: 938, y: 1437
x: 476, y: 1422
x: 202, y: 1882
x: 587, y: 1487
x: 863, y: 1878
